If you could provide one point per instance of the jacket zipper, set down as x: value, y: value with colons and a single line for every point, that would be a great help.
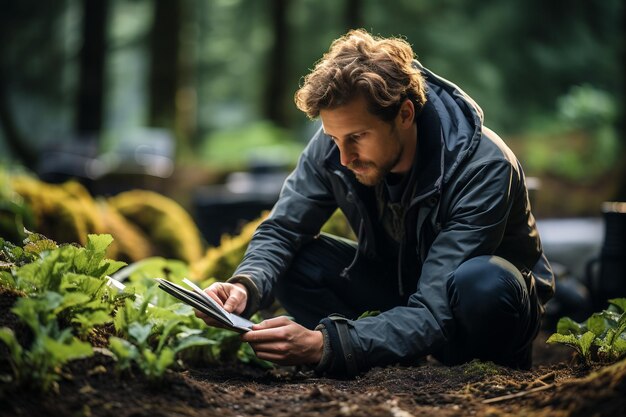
x: 402, y: 248
x: 361, y: 232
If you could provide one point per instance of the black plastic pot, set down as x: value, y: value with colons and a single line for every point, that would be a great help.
x: 606, y: 274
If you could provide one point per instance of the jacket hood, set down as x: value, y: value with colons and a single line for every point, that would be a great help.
x: 449, y: 130
x: 460, y: 121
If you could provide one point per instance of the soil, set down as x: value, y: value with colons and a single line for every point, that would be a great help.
x: 556, y: 386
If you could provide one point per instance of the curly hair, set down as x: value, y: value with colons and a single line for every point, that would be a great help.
x: 358, y: 63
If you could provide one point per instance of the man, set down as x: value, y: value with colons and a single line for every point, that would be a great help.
x: 447, y: 249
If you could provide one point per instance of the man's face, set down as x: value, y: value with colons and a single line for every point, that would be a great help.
x: 369, y: 146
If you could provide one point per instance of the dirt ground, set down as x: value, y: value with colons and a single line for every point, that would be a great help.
x: 556, y: 386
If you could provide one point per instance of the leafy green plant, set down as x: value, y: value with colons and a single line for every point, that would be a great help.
x: 601, y: 338
x: 39, y: 364
x: 152, y: 336
x: 46, y: 272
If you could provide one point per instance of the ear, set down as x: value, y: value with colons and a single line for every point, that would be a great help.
x: 406, y: 115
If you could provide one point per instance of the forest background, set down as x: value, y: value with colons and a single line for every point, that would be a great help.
x: 216, y: 79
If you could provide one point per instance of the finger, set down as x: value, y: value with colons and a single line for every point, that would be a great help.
x: 216, y: 292
x: 208, y: 320
x: 275, y: 346
x: 233, y: 302
x: 274, y: 357
x: 272, y: 323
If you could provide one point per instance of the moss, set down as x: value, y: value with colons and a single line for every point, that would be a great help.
x: 480, y: 368
x: 66, y: 213
x: 130, y: 243
x: 338, y: 225
x: 168, y: 226
x: 220, y: 262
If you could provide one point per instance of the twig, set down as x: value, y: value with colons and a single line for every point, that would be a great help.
x: 517, y: 394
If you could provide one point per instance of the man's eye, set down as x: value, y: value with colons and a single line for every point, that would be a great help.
x: 358, y: 136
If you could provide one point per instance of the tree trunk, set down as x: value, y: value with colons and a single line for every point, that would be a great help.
x: 275, y: 93
x: 621, y: 123
x: 353, y: 14
x: 14, y: 139
x: 164, y: 48
x: 92, y: 64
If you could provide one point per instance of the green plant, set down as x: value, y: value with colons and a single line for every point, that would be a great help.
x: 39, y: 364
x: 601, y: 338
x: 235, y: 148
x: 152, y: 336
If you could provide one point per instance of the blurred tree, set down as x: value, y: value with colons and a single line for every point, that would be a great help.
x: 172, y: 100
x: 32, y: 59
x: 163, y: 72
x: 353, y: 14
x: 92, y: 63
x: 275, y: 90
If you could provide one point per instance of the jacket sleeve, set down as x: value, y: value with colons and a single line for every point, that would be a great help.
x: 474, y: 224
x: 304, y: 205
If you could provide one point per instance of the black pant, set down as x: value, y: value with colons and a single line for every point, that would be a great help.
x: 496, y: 315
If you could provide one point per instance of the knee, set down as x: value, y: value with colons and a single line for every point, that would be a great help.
x: 485, y: 285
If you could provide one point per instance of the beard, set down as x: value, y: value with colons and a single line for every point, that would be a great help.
x: 369, y: 173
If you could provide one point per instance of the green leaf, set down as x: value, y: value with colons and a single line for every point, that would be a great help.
x: 597, y: 324
x: 192, y: 341
x: 98, y: 244
x: 165, y: 333
x: 568, y: 326
x: 124, y: 351
x: 89, y: 320
x: 63, y: 352
x: 165, y: 359
x: 139, y: 332
x: 619, y: 303
x: 7, y: 280
x: 581, y: 343
x: 70, y: 300
x: 15, y: 349
x: 566, y: 339
x: 619, y: 346
x: 586, y: 340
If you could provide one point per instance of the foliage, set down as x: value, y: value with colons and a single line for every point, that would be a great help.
x: 601, y: 338
x: 56, y: 269
x: 65, y: 285
x: 15, y: 214
x: 39, y: 364
x: 61, y: 212
x: 220, y: 262
x: 338, y: 225
x: 67, y: 297
x: 237, y: 147
x: 580, y: 143
x: 143, y: 223
x: 162, y: 308
x: 170, y: 329
x: 165, y: 222
x: 131, y: 244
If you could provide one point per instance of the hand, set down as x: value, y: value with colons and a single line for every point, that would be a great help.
x: 233, y: 297
x: 285, y: 342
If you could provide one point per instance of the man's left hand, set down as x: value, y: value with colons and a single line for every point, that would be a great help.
x: 282, y: 341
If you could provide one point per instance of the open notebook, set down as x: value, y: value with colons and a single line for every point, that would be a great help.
x: 199, y: 300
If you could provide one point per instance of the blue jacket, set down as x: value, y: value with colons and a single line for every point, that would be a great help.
x: 471, y: 200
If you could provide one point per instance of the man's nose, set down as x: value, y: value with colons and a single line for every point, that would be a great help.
x: 346, y: 154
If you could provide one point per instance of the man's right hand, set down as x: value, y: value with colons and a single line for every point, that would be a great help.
x: 233, y: 297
